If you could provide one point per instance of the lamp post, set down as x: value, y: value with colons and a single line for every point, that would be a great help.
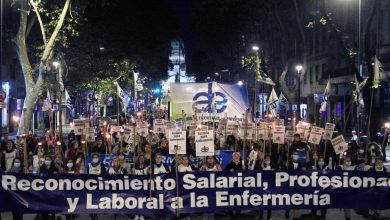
x: 255, y: 107
x: 299, y: 69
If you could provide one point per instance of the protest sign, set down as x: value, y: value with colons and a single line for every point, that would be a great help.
x: 90, y: 135
x: 279, y: 121
x: 339, y: 144
x: 177, y: 142
x: 248, y: 128
x: 290, y: 135
x: 278, y: 136
x: 169, y: 126
x: 115, y: 128
x: 143, y: 128
x: 315, y: 135
x: 79, y: 126
x: 328, y: 132
x: 159, y: 126
x: 128, y: 134
x: 204, y: 143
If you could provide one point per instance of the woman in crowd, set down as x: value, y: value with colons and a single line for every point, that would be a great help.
x: 80, y: 163
x: 266, y: 165
x: 347, y: 165
x: 16, y: 168
x: 140, y: 168
x: 158, y: 167
x: 96, y: 168
x: 116, y: 167
x: 71, y: 167
x: 185, y: 165
x: 58, y: 158
x: 38, y: 159
x: 211, y: 165
x: 9, y: 154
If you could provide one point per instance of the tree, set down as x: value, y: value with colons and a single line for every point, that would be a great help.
x: 36, y: 67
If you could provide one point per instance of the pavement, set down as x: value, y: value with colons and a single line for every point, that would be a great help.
x: 332, y: 214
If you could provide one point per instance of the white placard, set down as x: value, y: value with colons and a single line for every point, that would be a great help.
x: 249, y: 130
x: 204, y: 143
x: 328, y: 132
x: 289, y: 135
x: 270, y: 130
x: 159, y: 126
x: 143, y: 129
x: 339, y: 144
x: 279, y: 121
x: 128, y: 134
x: 115, y: 128
x: 169, y: 126
x: 79, y: 126
x: 278, y: 136
x: 315, y: 135
x: 90, y: 136
x: 177, y: 138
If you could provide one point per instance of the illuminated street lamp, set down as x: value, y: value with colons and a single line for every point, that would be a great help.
x: 56, y: 64
x: 240, y: 83
x: 299, y: 69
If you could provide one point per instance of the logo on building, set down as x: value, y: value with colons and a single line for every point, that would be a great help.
x: 209, y: 101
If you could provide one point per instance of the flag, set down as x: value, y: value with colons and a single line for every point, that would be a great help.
x: 265, y: 79
x: 273, y: 102
x: 123, y: 96
x: 46, y: 106
x: 283, y: 100
x: 326, y: 97
x: 67, y: 99
x: 377, y: 73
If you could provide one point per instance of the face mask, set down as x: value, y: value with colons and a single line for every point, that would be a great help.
x: 372, y: 161
x: 321, y: 163
x: 348, y: 163
x: 17, y: 165
x: 378, y: 167
x: 95, y: 160
x: 69, y: 165
x: 47, y: 162
x: 372, y: 147
x: 361, y: 151
x: 295, y: 157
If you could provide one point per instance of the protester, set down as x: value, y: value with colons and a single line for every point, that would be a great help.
x: 236, y: 163
x: 210, y: 165
x: 59, y: 158
x: 301, y: 148
x: 158, y: 167
x: 9, y: 154
x: 116, y: 167
x: 185, y: 165
x: 71, y: 168
x: 16, y: 168
x: 347, y: 165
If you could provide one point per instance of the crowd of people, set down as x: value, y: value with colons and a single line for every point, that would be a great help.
x: 51, y: 154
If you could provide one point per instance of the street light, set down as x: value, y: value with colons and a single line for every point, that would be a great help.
x: 240, y: 83
x: 257, y: 77
x: 56, y: 64
x: 299, y: 69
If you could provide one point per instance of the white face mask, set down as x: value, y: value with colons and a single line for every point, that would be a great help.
x: 95, y: 160
x: 348, y: 163
x: 295, y: 157
x: 69, y: 165
x: 268, y: 162
x: 372, y: 161
x: 361, y: 151
x: 17, y: 165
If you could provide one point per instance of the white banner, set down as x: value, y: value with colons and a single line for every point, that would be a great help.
x: 204, y: 143
x: 208, y: 98
x: 339, y: 144
x: 279, y: 133
x: 328, y: 133
x: 315, y: 135
x: 177, y: 138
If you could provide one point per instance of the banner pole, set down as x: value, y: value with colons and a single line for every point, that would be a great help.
x: 25, y: 157
x: 177, y: 182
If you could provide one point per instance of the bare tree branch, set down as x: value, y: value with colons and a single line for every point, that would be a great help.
x: 36, y: 10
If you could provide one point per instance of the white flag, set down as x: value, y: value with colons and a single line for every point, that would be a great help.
x: 273, y: 102
x: 67, y: 99
x: 326, y: 97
